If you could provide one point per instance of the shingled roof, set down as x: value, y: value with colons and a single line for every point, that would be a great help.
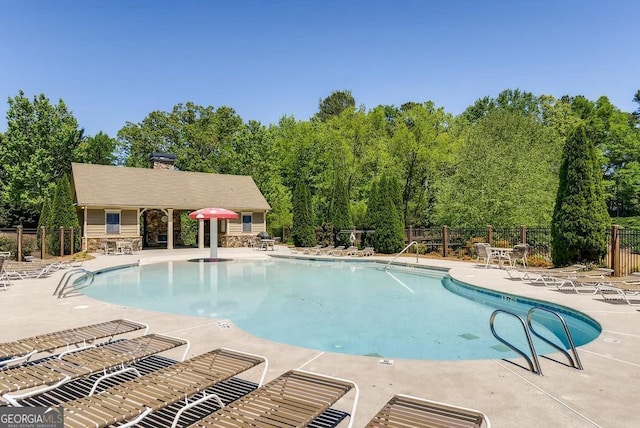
x: 114, y: 186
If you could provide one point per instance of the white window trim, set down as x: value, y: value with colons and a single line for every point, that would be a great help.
x: 119, y: 212
x: 250, y: 214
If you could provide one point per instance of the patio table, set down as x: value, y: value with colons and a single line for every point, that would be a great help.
x: 501, y: 253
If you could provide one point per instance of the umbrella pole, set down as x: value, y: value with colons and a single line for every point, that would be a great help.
x: 213, y: 237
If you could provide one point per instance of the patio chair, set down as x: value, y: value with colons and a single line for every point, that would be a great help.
x: 483, y: 252
x: 50, y: 373
x: 23, y: 349
x: 520, y: 252
x: 293, y: 399
x: 408, y: 411
x: 133, y: 400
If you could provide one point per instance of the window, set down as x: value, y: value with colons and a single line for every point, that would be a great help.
x: 113, y: 221
x: 246, y: 222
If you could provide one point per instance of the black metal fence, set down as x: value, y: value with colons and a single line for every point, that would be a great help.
x: 623, y: 245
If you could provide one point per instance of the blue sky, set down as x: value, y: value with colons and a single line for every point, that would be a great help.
x: 116, y: 61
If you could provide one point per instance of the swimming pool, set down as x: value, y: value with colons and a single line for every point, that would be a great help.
x: 346, y: 307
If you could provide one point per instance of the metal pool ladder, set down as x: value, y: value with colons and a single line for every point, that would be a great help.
x: 400, y: 253
x: 533, y: 362
x: 66, y: 287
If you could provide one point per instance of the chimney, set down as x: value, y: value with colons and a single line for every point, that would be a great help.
x: 162, y: 160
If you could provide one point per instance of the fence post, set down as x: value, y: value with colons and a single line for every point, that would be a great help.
x: 615, y: 250
x: 523, y: 234
x: 490, y: 235
x: 43, y: 239
x: 72, y: 248
x: 61, y: 241
x: 19, y: 251
x: 445, y: 241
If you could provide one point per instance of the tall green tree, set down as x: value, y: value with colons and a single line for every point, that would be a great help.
x: 303, y: 232
x: 506, y: 173
x: 200, y: 137
x: 334, y: 105
x: 386, y: 215
x: 63, y: 214
x: 340, y: 213
x: 35, y: 151
x: 99, y: 149
x: 580, y: 218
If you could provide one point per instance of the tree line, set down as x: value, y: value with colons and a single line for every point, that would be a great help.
x: 498, y: 162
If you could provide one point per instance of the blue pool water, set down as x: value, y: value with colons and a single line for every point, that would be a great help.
x: 354, y: 308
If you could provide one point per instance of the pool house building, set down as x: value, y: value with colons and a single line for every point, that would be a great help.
x: 146, y: 204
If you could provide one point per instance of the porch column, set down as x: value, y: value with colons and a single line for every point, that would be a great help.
x: 170, y: 229
x: 85, y: 244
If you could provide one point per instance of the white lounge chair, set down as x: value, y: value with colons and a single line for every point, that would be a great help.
x: 366, y: 251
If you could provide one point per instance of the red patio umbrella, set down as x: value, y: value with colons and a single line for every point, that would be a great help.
x: 213, y: 214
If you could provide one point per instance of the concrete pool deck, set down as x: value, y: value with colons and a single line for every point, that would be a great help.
x: 603, y: 395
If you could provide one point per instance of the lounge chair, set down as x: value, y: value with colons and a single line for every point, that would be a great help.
x: 351, y: 251
x: 408, y: 411
x: 5, y: 281
x: 133, y: 400
x: 337, y: 251
x: 23, y: 270
x: 325, y: 250
x: 23, y: 349
x: 51, y: 373
x: 535, y: 274
x: 366, y: 251
x: 625, y: 289
x: 564, y: 280
x: 293, y: 399
x: 313, y: 250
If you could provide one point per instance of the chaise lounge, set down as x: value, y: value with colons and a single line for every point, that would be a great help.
x: 130, y: 402
x: 23, y: 349
x: 408, y: 411
x: 293, y: 399
x: 50, y: 373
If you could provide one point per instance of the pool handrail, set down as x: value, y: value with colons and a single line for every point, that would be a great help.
x: 63, y: 284
x: 575, y: 361
x: 403, y: 250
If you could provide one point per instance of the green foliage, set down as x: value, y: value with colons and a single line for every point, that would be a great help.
x: 386, y: 216
x: 303, y: 232
x: 200, y: 137
x: 9, y: 242
x: 505, y: 174
x: 99, y: 149
x: 35, y: 151
x: 63, y: 214
x: 334, y: 104
x: 580, y: 217
x: 340, y: 211
x: 45, y: 218
x: 188, y: 230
